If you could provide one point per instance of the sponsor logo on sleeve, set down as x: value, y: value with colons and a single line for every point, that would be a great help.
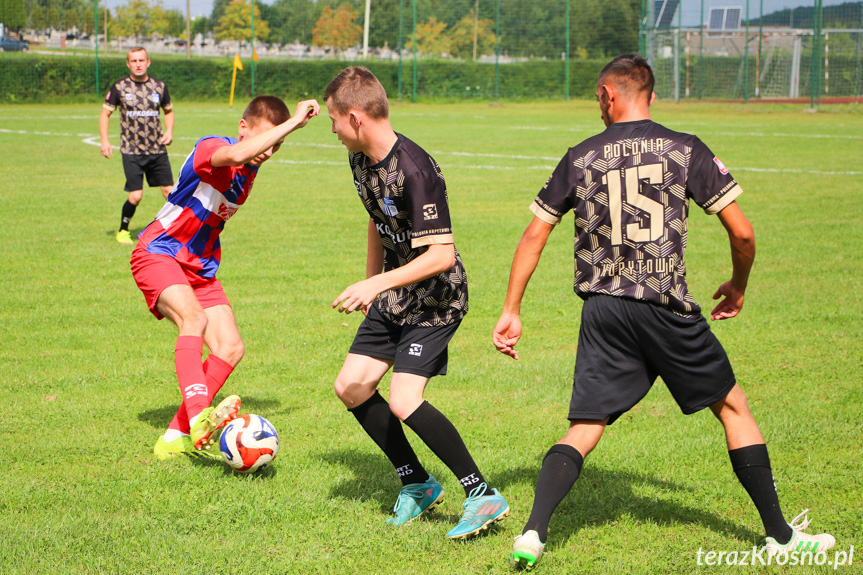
x: 720, y: 165
x: 430, y: 212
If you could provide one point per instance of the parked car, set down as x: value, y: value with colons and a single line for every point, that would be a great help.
x: 8, y: 44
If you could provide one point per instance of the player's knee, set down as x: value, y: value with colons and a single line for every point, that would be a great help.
x: 233, y: 352
x: 403, y: 406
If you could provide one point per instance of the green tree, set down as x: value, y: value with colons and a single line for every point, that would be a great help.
x: 337, y: 28
x: 166, y: 22
x: 132, y: 19
x: 236, y: 24
x: 431, y: 39
x: 462, y: 36
x: 295, y: 20
x: 13, y: 13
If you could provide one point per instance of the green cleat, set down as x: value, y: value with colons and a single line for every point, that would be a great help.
x: 527, y: 550
x: 124, y: 238
x: 211, y: 420
x: 168, y: 449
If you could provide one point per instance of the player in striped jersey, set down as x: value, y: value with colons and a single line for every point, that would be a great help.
x: 175, y: 263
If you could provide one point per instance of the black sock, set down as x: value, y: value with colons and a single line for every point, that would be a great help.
x: 128, y: 212
x: 752, y: 466
x: 560, y: 468
x: 386, y: 430
x: 443, y: 439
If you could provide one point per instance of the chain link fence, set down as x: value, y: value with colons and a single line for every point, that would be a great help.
x: 486, y: 49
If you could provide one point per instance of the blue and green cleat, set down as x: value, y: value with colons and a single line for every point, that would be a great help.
x: 480, y: 511
x: 415, y: 499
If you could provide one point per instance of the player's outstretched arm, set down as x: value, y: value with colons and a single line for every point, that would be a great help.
x: 507, y: 331
x: 742, y: 239
x: 436, y: 259
x: 253, y: 146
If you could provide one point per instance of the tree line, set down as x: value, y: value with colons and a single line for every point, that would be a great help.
x: 458, y: 28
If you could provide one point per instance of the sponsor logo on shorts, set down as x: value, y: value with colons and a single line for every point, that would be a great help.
x: 416, y: 349
x: 430, y: 212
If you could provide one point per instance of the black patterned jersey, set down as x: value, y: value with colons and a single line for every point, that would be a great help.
x: 139, y: 103
x: 629, y: 189
x: 405, y: 195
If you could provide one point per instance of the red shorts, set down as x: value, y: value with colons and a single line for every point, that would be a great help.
x: 154, y: 272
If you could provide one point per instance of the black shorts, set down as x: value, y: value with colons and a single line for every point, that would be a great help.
x: 157, y: 168
x: 623, y: 345
x: 411, y: 349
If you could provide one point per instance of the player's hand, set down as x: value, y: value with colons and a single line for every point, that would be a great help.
x: 306, y: 110
x: 358, y: 296
x: 506, y: 334
x: 107, y: 150
x: 730, y: 306
x: 167, y: 138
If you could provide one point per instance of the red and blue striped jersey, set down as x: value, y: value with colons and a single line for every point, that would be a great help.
x: 187, y: 227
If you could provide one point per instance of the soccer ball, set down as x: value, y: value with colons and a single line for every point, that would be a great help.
x: 248, y: 443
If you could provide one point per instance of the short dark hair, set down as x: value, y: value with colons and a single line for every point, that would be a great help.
x: 631, y: 74
x: 269, y: 108
x: 356, y: 87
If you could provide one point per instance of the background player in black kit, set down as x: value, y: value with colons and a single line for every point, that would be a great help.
x: 139, y: 97
x: 414, y: 297
x: 629, y: 188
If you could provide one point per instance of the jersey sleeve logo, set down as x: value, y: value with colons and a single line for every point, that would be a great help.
x: 720, y: 165
x: 430, y: 212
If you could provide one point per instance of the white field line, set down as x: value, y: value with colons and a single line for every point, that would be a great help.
x: 92, y: 140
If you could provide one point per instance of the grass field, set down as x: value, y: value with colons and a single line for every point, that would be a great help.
x: 87, y: 379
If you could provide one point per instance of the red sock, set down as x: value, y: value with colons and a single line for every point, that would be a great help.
x: 190, y: 374
x: 216, y: 372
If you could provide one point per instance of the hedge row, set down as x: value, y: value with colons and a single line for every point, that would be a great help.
x: 41, y: 78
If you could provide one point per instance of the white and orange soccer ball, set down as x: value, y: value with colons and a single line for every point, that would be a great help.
x: 249, y: 443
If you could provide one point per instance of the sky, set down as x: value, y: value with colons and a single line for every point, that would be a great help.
x: 691, y: 8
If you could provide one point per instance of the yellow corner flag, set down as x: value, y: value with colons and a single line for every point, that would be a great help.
x: 237, y: 65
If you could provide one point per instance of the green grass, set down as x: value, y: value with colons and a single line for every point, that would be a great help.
x: 87, y: 380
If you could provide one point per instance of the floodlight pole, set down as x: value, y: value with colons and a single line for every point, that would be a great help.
x: 701, y: 51
x: 414, y: 98
x: 497, y: 53
x: 253, y: 48
x: 188, y: 32
x: 566, y: 58
x: 746, y: 59
x: 399, y: 48
x: 96, y: 37
x: 366, y: 30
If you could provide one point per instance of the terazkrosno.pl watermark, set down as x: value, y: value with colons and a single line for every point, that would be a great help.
x: 758, y: 556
